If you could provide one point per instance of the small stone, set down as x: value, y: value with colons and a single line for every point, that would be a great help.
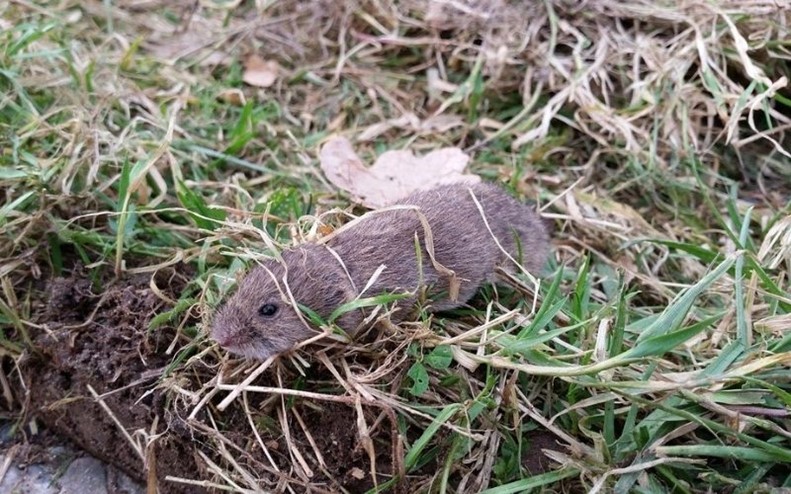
x: 34, y: 479
x: 86, y: 474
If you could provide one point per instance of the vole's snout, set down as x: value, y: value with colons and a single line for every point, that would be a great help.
x: 226, y: 329
x: 221, y: 335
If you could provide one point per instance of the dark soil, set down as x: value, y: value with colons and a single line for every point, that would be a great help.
x: 334, y: 429
x: 99, y: 337
x: 534, y: 461
x: 103, y: 342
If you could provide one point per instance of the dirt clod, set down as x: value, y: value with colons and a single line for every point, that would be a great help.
x: 101, y: 342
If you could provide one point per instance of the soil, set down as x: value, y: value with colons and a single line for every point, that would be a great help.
x: 88, y: 340
x: 533, y: 461
x: 91, y: 336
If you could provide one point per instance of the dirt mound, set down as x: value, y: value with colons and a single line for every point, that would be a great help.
x: 98, y: 338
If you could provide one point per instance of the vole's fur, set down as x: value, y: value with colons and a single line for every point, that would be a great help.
x: 316, y: 278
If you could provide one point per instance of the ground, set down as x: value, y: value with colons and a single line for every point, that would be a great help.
x: 150, y: 149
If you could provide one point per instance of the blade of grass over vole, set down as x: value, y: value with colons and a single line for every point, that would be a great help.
x: 361, y: 303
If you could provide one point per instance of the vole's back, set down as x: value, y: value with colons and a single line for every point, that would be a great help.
x: 462, y: 241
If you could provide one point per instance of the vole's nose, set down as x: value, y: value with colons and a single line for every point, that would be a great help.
x: 227, y: 328
x: 221, y: 337
x: 221, y: 331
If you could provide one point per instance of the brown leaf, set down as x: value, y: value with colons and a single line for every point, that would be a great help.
x: 232, y: 96
x: 394, y: 175
x: 260, y: 73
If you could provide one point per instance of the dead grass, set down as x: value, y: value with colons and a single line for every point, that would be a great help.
x: 654, y: 134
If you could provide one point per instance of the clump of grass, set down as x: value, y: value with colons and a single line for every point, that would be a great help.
x: 655, y: 136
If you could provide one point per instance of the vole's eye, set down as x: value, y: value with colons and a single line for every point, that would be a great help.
x: 268, y: 310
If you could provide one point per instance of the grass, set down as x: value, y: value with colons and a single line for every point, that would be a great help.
x: 655, y: 136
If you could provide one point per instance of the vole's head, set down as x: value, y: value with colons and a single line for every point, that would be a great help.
x: 260, y: 320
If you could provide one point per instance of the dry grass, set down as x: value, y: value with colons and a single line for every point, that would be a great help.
x: 654, y: 134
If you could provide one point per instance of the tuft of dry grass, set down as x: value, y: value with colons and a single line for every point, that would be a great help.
x: 655, y: 135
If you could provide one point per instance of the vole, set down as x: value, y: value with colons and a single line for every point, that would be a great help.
x: 379, y: 249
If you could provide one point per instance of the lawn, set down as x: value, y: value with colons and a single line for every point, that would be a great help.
x: 151, y: 149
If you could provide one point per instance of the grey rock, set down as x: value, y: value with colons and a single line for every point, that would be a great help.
x: 84, y: 475
x: 35, y: 479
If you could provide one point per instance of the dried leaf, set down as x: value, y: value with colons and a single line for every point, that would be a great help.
x: 232, y: 97
x: 260, y: 73
x: 395, y: 175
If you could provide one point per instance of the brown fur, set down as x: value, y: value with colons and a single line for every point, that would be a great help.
x: 317, y: 279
